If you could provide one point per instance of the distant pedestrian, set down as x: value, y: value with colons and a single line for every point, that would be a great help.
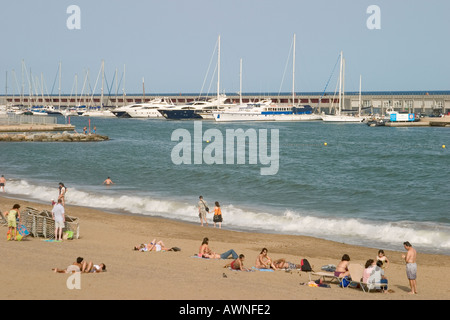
x: 58, y: 214
x: 94, y: 130
x: 2, y: 183
x: 12, y: 216
x: 217, y: 215
x: 62, y: 193
x: 202, y: 210
x: 411, y: 266
x: 85, y: 130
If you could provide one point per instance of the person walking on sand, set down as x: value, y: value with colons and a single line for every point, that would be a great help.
x: 59, y: 217
x: 62, y: 194
x: 2, y: 183
x: 217, y: 215
x: 12, y: 216
x: 108, y: 181
x: 411, y: 266
x: 202, y: 210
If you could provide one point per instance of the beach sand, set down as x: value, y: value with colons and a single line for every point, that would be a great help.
x: 109, y: 238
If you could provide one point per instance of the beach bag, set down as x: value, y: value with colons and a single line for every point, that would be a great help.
x: 306, y: 266
x: 68, y: 235
x: 345, y: 282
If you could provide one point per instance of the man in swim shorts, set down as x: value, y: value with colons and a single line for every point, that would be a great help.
x: 411, y: 266
x: 2, y: 183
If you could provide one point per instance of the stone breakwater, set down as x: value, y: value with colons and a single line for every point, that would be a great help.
x: 51, y: 137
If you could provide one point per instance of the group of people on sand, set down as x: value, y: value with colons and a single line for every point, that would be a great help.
x: 82, y: 266
x: 203, y: 210
x: 263, y: 261
x: 374, y: 269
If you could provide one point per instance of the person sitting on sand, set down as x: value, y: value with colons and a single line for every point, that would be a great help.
x: 152, y: 246
x: 206, y: 252
x: 283, y: 264
x: 342, y: 267
x: 263, y: 261
x: 237, y: 264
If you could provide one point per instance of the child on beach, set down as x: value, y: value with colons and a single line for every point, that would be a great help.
x: 12, y: 216
x: 217, y: 215
x: 384, y: 260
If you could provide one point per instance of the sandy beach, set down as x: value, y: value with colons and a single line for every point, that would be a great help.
x: 109, y: 238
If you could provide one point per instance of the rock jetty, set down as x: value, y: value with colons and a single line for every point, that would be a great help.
x: 51, y: 137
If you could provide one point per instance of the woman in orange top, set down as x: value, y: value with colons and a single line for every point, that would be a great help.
x: 217, y: 215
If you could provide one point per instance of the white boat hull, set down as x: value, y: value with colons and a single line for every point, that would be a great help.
x: 341, y: 118
x: 258, y: 116
x: 104, y: 114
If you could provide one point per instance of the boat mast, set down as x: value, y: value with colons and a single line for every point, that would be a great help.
x: 103, y: 82
x: 240, y: 82
x: 359, y: 104
x: 123, y: 87
x: 59, y: 86
x: 340, y: 88
x: 293, y: 74
x: 218, y: 73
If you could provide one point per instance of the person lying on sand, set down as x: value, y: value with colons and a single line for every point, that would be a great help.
x: 93, y: 268
x: 74, y: 267
x: 154, y: 246
x: 206, y: 252
x: 283, y: 264
x: 237, y: 264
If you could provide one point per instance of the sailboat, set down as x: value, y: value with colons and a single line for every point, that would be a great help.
x: 200, y: 108
x: 100, y: 111
x: 265, y: 110
x: 338, y: 116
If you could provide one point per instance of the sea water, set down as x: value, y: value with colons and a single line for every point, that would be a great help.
x: 370, y: 186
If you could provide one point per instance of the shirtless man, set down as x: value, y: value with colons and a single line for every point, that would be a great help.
x: 108, y: 181
x: 2, y: 183
x: 411, y: 266
x: 237, y: 264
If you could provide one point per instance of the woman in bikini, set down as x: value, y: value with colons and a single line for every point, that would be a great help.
x: 342, y: 268
x: 283, y: 264
x: 152, y: 246
x: 263, y: 261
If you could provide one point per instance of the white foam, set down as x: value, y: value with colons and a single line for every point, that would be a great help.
x: 387, y: 235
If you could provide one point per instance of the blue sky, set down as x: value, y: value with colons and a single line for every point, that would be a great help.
x: 170, y: 43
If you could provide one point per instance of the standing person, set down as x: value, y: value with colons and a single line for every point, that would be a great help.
x: 108, y: 181
x: 62, y: 193
x: 85, y: 130
x: 202, y: 210
x: 217, y: 215
x: 12, y: 215
x: 2, y: 183
x: 411, y: 266
x: 59, y: 217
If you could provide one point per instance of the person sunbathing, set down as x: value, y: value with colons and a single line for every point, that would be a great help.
x: 74, y: 267
x: 152, y: 246
x: 342, y: 267
x: 237, y: 264
x: 206, y: 252
x: 283, y: 264
x: 263, y: 261
x: 93, y: 268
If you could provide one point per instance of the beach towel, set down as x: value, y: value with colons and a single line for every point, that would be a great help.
x: 51, y: 240
x: 267, y: 270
